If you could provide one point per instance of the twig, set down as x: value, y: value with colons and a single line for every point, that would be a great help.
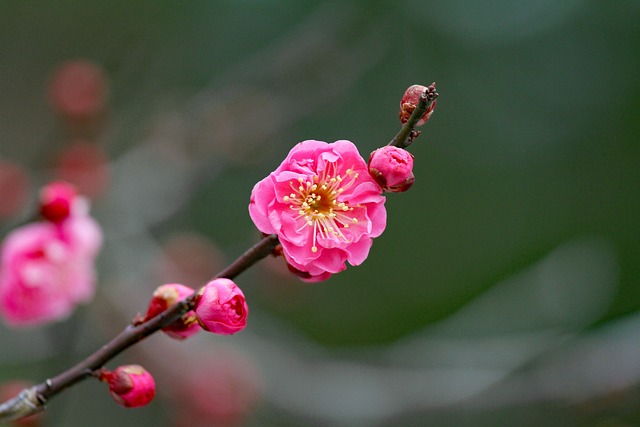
x: 32, y: 400
x: 408, y: 133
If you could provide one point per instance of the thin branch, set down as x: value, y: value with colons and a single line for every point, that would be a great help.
x: 408, y: 133
x: 32, y: 400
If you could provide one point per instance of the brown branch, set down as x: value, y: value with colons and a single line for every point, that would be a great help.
x: 32, y: 400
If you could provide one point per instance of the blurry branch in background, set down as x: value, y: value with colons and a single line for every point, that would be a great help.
x: 520, y: 342
x: 201, y: 137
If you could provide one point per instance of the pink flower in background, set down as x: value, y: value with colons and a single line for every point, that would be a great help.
x: 130, y: 386
x: 221, y: 307
x: 84, y: 164
x: 323, y: 205
x: 47, y: 268
x: 392, y: 168
x: 78, y: 90
x: 219, y: 388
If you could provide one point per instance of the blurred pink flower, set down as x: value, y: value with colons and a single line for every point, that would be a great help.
x: 219, y: 388
x: 323, y: 205
x: 47, y: 268
x: 221, y: 307
x: 164, y: 297
x: 130, y: 385
x: 78, y: 90
x: 392, y: 168
x: 85, y: 165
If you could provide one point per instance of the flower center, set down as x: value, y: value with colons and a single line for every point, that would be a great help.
x: 316, y: 200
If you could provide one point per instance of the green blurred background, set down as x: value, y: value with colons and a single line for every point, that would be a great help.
x: 504, y: 291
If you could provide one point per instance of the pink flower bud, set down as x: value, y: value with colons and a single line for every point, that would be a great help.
x: 164, y: 297
x: 221, y: 307
x: 392, y: 168
x: 56, y: 201
x: 409, y: 101
x: 130, y: 385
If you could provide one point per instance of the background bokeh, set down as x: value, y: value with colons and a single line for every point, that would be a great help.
x: 505, y: 289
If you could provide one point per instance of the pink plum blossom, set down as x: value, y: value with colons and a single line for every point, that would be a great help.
x: 221, y: 307
x: 130, y: 386
x: 392, y: 168
x: 46, y: 269
x: 164, y: 297
x: 323, y: 205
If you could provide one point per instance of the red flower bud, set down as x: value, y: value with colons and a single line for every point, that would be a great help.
x: 392, y: 168
x: 221, y: 307
x: 410, y: 100
x: 57, y: 200
x: 164, y: 297
x: 130, y: 385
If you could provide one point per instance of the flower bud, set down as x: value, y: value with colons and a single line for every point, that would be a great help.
x: 130, y: 385
x: 392, y: 168
x: 164, y: 297
x: 409, y: 101
x: 221, y: 307
x: 57, y: 200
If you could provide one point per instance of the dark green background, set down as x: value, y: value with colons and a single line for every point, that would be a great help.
x: 534, y: 143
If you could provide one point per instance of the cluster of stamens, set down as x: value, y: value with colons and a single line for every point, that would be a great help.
x: 316, y: 200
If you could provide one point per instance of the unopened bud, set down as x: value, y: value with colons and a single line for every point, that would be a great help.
x: 130, y: 385
x: 410, y: 100
x: 221, y: 307
x: 164, y: 297
x: 57, y: 200
x: 392, y: 168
